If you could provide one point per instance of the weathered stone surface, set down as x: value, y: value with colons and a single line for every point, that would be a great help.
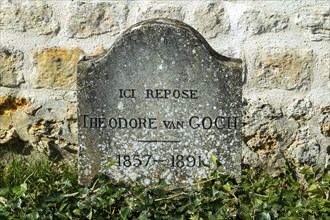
x: 98, y: 51
x: 256, y: 114
x: 259, y: 22
x: 162, y: 91
x: 301, y: 110
x: 304, y: 150
x: 283, y: 68
x: 9, y: 104
x: 325, y: 123
x: 71, y: 134
x: 326, y: 127
x: 315, y: 20
x: 48, y: 138
x: 161, y: 11
x: 36, y: 17
x: 275, y: 139
x: 249, y: 157
x: 7, y: 134
x: 43, y: 127
x: 11, y: 62
x: 211, y: 19
x: 30, y: 124
x: 266, y: 134
x: 56, y: 68
x: 88, y: 19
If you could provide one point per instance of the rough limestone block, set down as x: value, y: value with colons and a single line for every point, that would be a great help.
x: 41, y: 121
x: 89, y: 19
x: 301, y: 110
x: 56, y: 68
x: 160, y: 11
x: 11, y: 63
x: 211, y: 19
x: 315, y: 20
x: 277, y: 134
x: 6, y: 133
x: 266, y: 133
x: 283, y: 68
x: 36, y: 17
x: 259, y: 22
x: 304, y: 150
x: 10, y: 104
x: 325, y: 123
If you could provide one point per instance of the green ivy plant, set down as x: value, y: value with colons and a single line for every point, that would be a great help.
x: 45, y: 190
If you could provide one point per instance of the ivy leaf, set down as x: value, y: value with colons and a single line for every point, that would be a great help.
x: 84, y: 192
x: 32, y: 216
x: 4, y: 191
x: 41, y: 181
x: 63, y: 206
x: 143, y: 215
x: 55, y: 198
x: 313, y: 187
x: 299, y: 204
x: 159, y: 191
x: 244, y: 209
x: 65, y: 182
x: 124, y: 213
x: 263, y: 216
x: 326, y: 178
x: 227, y: 188
x: 20, y: 190
x: 307, y: 170
x: 110, y: 163
x: 60, y: 216
x: 311, y: 217
x: 215, y: 191
x: 3, y: 201
x: 215, y: 161
x: 289, y: 195
x: 77, y: 212
x: 90, y: 215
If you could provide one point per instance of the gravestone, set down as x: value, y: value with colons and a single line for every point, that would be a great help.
x: 159, y: 104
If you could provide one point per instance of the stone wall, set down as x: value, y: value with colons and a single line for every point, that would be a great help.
x: 284, y: 45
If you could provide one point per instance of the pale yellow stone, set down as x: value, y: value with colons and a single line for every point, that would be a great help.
x: 283, y: 68
x: 36, y: 17
x: 315, y: 20
x: 161, y: 11
x: 96, y: 18
x: 256, y: 22
x: 56, y: 68
x: 211, y: 19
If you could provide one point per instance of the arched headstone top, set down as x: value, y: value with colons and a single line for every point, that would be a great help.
x: 148, y: 26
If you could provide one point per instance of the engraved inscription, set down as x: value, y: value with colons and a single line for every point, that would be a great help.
x: 159, y: 104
